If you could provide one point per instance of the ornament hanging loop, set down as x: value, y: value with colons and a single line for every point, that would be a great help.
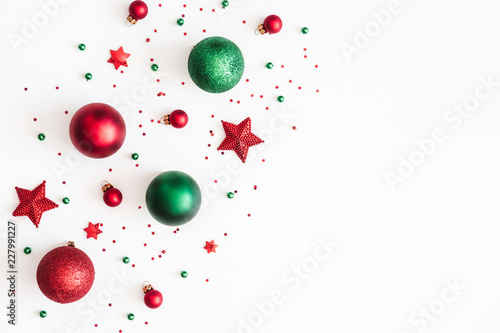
x: 146, y: 286
x: 130, y: 21
x: 260, y: 30
x: 70, y: 243
x: 105, y: 185
x: 165, y: 119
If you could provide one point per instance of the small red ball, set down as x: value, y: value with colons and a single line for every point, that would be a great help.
x: 138, y: 10
x: 153, y: 299
x: 65, y: 274
x: 178, y: 119
x: 112, y: 197
x: 97, y: 130
x: 273, y: 24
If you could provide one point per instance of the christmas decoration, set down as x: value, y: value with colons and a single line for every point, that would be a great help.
x: 184, y: 274
x: 135, y: 156
x: 269, y: 65
x: 137, y: 11
x: 152, y: 297
x: 130, y: 316
x: 305, y: 30
x: 88, y: 76
x: 281, y: 99
x: 112, y: 196
x: 97, y: 130
x: 216, y: 64
x: 154, y: 67
x: 119, y: 58
x: 27, y: 250
x: 178, y: 119
x: 230, y: 195
x: 272, y: 25
x: 65, y: 274
x: 210, y: 247
x: 126, y: 260
x: 239, y: 138
x: 82, y: 47
x: 33, y: 203
x: 225, y: 4
x: 43, y: 314
x: 65, y: 200
x: 180, y: 22
x: 93, y: 230
x: 41, y: 136
x: 173, y: 198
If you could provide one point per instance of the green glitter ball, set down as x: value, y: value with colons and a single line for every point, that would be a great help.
x: 216, y: 64
x: 281, y: 99
x: 126, y: 260
x: 180, y: 22
x: 81, y: 47
x: 65, y: 200
x: 41, y: 136
x: 269, y: 65
x: 43, y: 314
x: 305, y: 30
x: 130, y: 316
x: 225, y: 3
x: 88, y: 76
x: 230, y: 195
x: 135, y: 156
x: 27, y: 250
x: 184, y: 274
x: 154, y: 67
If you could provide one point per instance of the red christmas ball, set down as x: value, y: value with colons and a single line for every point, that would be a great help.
x: 138, y: 10
x: 153, y: 299
x: 97, y: 130
x: 112, y: 197
x: 178, y: 119
x: 273, y: 24
x: 65, y: 274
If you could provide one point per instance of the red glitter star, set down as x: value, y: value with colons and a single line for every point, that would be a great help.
x: 210, y: 247
x: 33, y: 203
x: 92, y: 230
x: 239, y: 138
x: 119, y: 58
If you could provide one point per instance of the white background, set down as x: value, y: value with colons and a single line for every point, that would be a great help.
x: 397, y: 248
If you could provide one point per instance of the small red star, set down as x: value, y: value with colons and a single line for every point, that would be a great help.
x: 33, y: 203
x: 239, y: 138
x: 92, y: 230
x: 119, y: 58
x: 210, y: 247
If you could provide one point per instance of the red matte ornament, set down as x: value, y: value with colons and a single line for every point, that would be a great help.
x: 97, y: 130
x: 112, y: 196
x: 119, y: 58
x: 178, y: 119
x: 137, y: 10
x: 65, y: 274
x: 272, y: 25
x: 239, y: 138
x: 33, y: 203
x: 152, y: 297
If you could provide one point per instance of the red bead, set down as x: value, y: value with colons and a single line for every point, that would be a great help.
x: 138, y: 10
x: 273, y: 24
x: 153, y: 299
x: 112, y: 197
x: 97, y: 130
x: 178, y: 119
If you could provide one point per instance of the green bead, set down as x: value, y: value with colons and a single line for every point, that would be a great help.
x: 65, y: 200
x: 173, y: 198
x: 225, y: 3
x: 180, y: 22
x: 216, y: 64
x: 281, y: 99
x: 43, y: 314
x: 269, y: 65
x: 126, y: 260
x: 88, y: 76
x: 27, y: 250
x: 230, y: 195
x: 135, y: 156
x: 154, y: 67
x: 41, y: 136
x: 305, y: 30
x: 184, y: 274
x: 81, y: 47
x: 130, y: 316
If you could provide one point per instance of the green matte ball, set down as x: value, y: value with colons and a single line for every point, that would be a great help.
x: 135, y: 156
x: 43, y: 314
x: 305, y: 30
x: 27, y: 250
x: 225, y: 3
x: 88, y: 76
x: 154, y: 67
x: 216, y: 64
x: 173, y: 198
x: 180, y: 22
x: 130, y: 316
x: 41, y: 136
x: 65, y: 200
x: 281, y: 99
x: 82, y: 47
x: 184, y: 274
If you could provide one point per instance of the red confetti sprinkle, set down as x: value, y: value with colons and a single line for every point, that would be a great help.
x: 57, y: 88
x: 244, y: 21
x: 153, y: 233
x: 290, y: 81
x: 183, y: 83
x: 212, y: 116
x: 114, y: 241
x: 185, y: 34
x: 247, y: 80
x: 114, y: 85
x: 66, y: 112
x: 294, y: 127
x: 145, y: 244
x: 110, y: 169
x: 123, y: 228
x: 163, y: 251
x: 206, y: 157
x: 263, y: 160
x: 225, y: 234
x: 148, y: 40
x: 249, y: 215
x: 104, y: 250
x: 25, y: 89
x: 206, y: 280
x: 64, y: 182
x: 267, y: 107
x: 137, y: 165
x: 201, y: 9
x: 277, y: 87
x: 140, y: 111
x: 152, y: 59
x: 204, y: 30
x: 305, y: 56
x: 34, y: 119
x: 261, y: 96
x: 282, y: 66
x: 300, y: 87
x: 155, y: 30
x: 255, y: 187
x: 315, y: 66
x: 59, y: 154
